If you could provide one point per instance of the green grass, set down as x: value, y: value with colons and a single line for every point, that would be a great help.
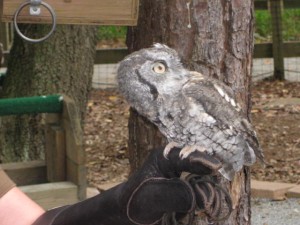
x: 263, y: 29
x: 111, y: 32
x: 290, y: 23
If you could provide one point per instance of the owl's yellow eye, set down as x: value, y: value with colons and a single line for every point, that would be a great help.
x: 159, y: 68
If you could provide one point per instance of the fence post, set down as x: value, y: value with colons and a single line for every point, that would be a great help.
x: 276, y: 14
x: 6, y: 35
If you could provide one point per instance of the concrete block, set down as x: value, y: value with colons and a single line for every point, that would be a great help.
x: 91, y: 192
x: 272, y: 190
x: 105, y: 187
x: 294, y: 192
x: 51, y: 195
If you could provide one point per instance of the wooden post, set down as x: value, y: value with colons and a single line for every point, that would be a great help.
x: 276, y: 14
x: 26, y: 173
x: 55, y: 148
x: 75, y: 156
x: 6, y: 35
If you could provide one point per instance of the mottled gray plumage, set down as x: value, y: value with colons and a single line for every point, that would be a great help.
x: 192, y: 110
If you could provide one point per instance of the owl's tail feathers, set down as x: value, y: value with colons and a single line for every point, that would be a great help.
x: 252, y: 143
x: 228, y: 170
x: 251, y: 155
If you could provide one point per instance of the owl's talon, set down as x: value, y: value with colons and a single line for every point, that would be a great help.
x: 187, y: 150
x: 184, y: 155
x: 166, y: 153
x: 168, y: 149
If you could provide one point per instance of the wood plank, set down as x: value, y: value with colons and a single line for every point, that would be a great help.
x: 104, y: 12
x: 6, y: 55
x: 55, y: 148
x: 261, y: 4
x: 265, y: 50
x: 52, y: 118
x: 291, y: 4
x: 74, y: 134
x: 288, y: 4
x: 291, y: 49
x: 77, y: 174
x: 74, y: 174
x: 26, y: 173
x: 110, y: 55
x: 261, y: 50
x: 55, y: 153
x: 76, y: 170
x: 52, y: 195
x: 4, y: 35
x: 113, y: 55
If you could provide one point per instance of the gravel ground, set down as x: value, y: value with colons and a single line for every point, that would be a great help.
x: 268, y: 212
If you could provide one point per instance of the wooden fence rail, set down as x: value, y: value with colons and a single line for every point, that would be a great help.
x: 265, y: 4
x: 261, y: 50
x: 64, y: 165
x: 278, y: 50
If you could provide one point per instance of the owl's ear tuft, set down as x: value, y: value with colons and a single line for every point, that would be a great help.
x: 160, y: 46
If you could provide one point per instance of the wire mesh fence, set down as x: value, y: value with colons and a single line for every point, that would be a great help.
x: 104, y: 76
x: 264, y: 68
x: 278, y: 34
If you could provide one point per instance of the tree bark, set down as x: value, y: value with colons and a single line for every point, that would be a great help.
x: 212, y: 37
x: 63, y: 64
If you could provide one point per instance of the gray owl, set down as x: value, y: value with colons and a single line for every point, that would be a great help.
x: 193, y: 111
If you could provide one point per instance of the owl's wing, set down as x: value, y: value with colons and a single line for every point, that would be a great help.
x: 217, y: 100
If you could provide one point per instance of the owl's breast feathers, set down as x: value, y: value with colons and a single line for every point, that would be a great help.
x: 205, y: 113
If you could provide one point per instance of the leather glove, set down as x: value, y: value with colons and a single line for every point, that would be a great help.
x: 151, y: 192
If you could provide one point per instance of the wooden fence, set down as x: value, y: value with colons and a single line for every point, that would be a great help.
x: 61, y: 178
x: 277, y: 50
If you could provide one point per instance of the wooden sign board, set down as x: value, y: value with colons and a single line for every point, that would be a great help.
x: 101, y: 12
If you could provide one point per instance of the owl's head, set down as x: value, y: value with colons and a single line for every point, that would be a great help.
x: 145, y: 75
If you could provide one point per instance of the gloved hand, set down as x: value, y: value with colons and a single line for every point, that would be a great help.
x: 154, y: 190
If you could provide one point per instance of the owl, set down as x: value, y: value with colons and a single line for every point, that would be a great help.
x: 193, y: 111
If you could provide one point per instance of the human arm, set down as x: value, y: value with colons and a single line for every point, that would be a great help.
x: 154, y: 190
x: 15, y: 207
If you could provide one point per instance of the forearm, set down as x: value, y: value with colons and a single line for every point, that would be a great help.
x: 15, y: 207
x: 6, y: 183
x: 103, y: 209
x: 153, y: 190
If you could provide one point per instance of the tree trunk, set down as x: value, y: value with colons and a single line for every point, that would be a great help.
x: 63, y: 64
x: 212, y: 37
